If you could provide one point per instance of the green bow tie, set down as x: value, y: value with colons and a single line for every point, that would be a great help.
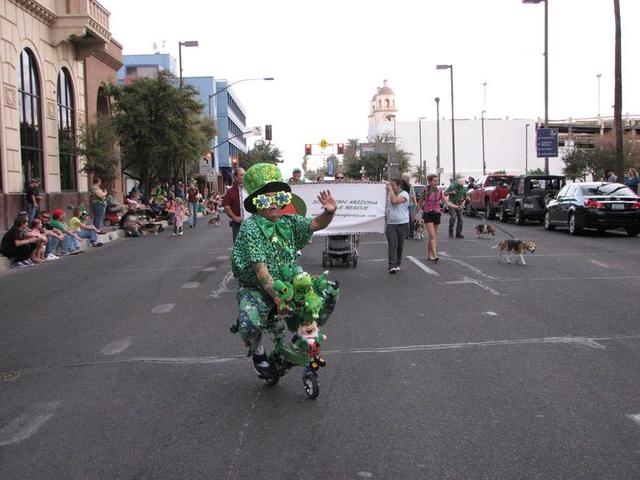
x: 273, y: 230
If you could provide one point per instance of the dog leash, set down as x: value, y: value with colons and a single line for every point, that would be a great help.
x: 483, y: 220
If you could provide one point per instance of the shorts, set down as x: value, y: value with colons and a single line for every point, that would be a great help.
x: 431, y: 217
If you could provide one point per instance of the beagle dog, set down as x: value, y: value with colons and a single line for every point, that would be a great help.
x: 418, y: 232
x: 484, y: 229
x: 519, y: 247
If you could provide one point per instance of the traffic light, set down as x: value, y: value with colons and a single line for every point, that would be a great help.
x: 307, y: 149
x: 267, y: 132
x: 341, y: 149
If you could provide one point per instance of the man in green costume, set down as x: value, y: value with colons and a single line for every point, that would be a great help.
x: 265, y: 251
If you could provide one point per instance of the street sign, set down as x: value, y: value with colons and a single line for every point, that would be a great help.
x: 323, y: 144
x: 547, y: 142
x: 205, y: 167
x: 440, y: 171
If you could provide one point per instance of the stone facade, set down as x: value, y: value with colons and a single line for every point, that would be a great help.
x: 60, y: 34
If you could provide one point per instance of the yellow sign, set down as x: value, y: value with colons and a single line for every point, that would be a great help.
x: 323, y: 144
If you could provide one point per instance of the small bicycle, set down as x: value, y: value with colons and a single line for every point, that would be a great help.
x: 283, y: 357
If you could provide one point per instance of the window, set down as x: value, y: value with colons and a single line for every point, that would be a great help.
x: 131, y: 71
x: 30, y: 117
x: 66, y: 132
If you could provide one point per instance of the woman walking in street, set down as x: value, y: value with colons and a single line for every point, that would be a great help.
x: 429, y: 208
x: 397, y: 222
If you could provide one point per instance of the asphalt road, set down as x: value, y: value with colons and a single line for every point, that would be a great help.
x: 464, y: 369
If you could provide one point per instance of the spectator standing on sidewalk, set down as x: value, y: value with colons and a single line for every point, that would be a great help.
x: 231, y: 202
x: 296, y: 178
x: 98, y: 200
x: 397, y: 222
x: 179, y: 191
x: 32, y: 197
x: 456, y: 194
x: 192, y: 200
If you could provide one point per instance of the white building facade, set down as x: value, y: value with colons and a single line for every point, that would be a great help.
x: 508, y: 144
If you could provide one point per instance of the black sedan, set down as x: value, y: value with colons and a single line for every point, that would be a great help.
x: 601, y: 205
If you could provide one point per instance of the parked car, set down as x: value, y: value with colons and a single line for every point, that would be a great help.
x: 599, y: 205
x: 529, y: 196
x: 487, y: 193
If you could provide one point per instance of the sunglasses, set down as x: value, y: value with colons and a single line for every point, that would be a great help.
x: 281, y: 199
x: 339, y: 178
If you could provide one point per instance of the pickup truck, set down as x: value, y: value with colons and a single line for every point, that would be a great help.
x: 487, y: 193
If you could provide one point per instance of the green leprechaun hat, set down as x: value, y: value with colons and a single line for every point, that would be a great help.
x: 262, y: 178
x: 266, y: 177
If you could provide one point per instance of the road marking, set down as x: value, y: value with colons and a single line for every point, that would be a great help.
x: 223, y: 287
x: 117, y: 346
x: 491, y: 314
x: 590, y: 342
x: 635, y: 418
x: 422, y: 266
x: 475, y: 270
x: 210, y: 269
x: 24, y: 426
x: 473, y: 281
x: 600, y: 264
x: 164, y: 308
x: 191, y: 285
x: 365, y: 474
x: 554, y: 279
x: 222, y: 257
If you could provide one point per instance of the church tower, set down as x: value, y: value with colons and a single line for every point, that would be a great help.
x: 383, y: 105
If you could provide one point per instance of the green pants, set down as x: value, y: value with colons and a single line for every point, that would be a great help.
x: 255, y: 306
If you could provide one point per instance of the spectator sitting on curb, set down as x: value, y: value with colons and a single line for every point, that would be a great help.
x: 41, y: 253
x: 71, y: 242
x: 82, y: 229
x: 16, y: 246
x: 54, y: 236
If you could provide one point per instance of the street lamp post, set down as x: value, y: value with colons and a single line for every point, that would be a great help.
x: 546, y: 70
x: 453, y: 125
x: 423, y: 165
x: 526, y: 149
x: 188, y: 43
x: 484, y: 163
x: 437, y: 100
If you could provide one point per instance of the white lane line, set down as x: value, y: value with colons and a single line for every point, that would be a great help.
x: 600, y: 264
x: 210, y: 269
x: 491, y: 314
x: 222, y: 257
x: 117, y: 346
x: 475, y: 270
x: 555, y: 279
x: 164, y: 308
x: 635, y: 418
x: 191, y: 285
x: 24, y: 426
x: 422, y: 266
x: 473, y: 281
x: 223, y: 287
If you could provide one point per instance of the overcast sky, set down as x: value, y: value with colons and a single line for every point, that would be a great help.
x: 328, y: 57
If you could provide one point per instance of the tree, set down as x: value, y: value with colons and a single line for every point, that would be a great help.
x: 161, y: 129
x: 98, y: 144
x: 375, y: 164
x: 535, y: 171
x: 260, y: 153
x: 582, y: 162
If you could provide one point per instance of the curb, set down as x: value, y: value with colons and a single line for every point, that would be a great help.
x: 112, y: 236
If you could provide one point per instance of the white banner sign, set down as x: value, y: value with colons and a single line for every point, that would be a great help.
x: 361, y: 206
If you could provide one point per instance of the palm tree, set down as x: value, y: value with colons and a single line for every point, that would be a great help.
x: 617, y: 106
